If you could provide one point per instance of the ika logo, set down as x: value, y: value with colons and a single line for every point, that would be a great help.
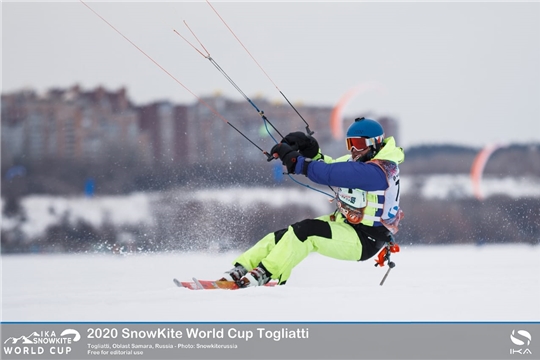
x: 31, y: 344
x: 521, y: 338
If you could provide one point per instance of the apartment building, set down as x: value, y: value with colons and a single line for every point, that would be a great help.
x: 69, y: 124
x: 165, y: 126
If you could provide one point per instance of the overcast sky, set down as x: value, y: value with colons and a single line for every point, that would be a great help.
x: 458, y: 73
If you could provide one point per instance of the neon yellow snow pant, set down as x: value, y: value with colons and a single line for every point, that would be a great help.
x: 279, y: 252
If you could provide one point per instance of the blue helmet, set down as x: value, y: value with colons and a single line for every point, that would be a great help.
x: 364, y: 133
x: 366, y: 128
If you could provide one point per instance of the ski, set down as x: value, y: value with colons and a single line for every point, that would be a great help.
x: 197, y: 284
x: 186, y: 284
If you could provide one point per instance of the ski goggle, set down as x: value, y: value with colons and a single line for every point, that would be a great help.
x: 361, y: 143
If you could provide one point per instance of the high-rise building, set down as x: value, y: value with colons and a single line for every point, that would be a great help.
x: 165, y: 125
x: 69, y: 124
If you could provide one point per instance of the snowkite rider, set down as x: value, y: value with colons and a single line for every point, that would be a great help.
x: 367, y: 213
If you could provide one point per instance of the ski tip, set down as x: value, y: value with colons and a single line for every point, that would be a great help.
x: 186, y: 284
x: 179, y: 283
x: 198, y: 283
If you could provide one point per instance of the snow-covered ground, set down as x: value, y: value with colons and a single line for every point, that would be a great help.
x: 432, y: 283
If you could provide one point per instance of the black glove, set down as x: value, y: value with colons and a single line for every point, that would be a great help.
x: 286, y: 154
x: 306, y: 144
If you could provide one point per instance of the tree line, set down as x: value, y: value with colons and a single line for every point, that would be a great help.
x: 193, y: 226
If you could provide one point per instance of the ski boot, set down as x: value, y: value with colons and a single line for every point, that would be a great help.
x: 235, y: 274
x: 256, y: 277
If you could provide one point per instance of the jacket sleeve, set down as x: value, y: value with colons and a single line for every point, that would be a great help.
x: 352, y: 175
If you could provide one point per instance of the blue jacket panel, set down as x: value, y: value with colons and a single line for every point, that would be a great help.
x: 352, y: 175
